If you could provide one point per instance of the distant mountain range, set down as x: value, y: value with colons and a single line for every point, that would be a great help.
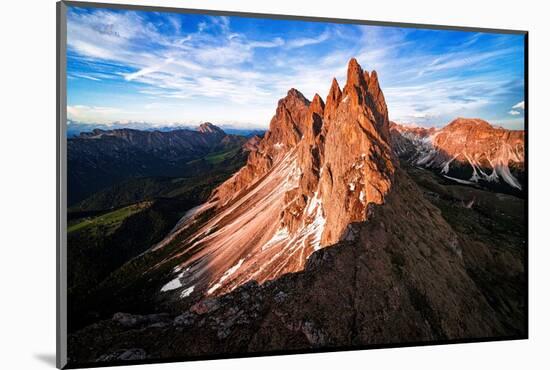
x: 102, y: 158
x: 75, y: 128
x: 466, y: 151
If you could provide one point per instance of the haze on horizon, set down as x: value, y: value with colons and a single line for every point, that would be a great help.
x: 168, y: 68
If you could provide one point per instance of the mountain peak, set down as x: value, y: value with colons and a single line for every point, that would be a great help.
x: 334, y: 87
x: 462, y: 122
x: 296, y: 94
x: 367, y: 77
x: 288, y: 124
x: 468, y: 149
x: 333, y: 98
x: 209, y: 128
x: 358, y: 84
x: 353, y: 65
x: 317, y: 105
x: 362, y: 93
x: 355, y: 77
x: 318, y: 169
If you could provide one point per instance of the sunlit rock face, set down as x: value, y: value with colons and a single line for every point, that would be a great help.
x: 467, y: 150
x: 316, y: 170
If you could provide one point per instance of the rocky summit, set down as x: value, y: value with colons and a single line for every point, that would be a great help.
x: 312, y: 175
x: 467, y: 150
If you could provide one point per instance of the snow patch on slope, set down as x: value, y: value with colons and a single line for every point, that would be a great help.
x: 316, y: 226
x: 504, y: 172
x: 187, y: 292
x: 227, y: 274
x: 279, y: 236
x: 464, y: 182
x: 171, y: 285
x: 362, y: 196
x: 445, y: 168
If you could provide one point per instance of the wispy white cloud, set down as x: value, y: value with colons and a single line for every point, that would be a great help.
x: 195, y: 65
x: 459, y: 60
x: 277, y: 41
x: 147, y: 70
x: 175, y: 22
x: 517, y: 108
x: 520, y: 105
x: 85, y: 76
x: 306, y: 41
x: 438, y: 101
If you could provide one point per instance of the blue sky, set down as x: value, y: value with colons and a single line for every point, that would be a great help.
x: 167, y: 68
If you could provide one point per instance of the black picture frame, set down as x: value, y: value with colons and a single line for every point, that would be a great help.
x: 61, y: 175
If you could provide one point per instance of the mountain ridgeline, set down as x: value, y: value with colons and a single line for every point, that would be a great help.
x: 323, y: 239
x: 315, y: 172
x: 467, y: 151
x: 100, y: 159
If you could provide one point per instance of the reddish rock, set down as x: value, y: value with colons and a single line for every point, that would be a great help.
x: 468, y: 149
x: 358, y: 165
x: 252, y: 143
x: 285, y: 131
x: 333, y: 99
x: 317, y: 169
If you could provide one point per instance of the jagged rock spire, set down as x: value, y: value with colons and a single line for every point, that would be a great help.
x: 355, y: 78
x: 316, y: 171
x: 333, y: 98
x: 317, y: 105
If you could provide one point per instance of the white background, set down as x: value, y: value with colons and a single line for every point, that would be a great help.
x: 27, y: 193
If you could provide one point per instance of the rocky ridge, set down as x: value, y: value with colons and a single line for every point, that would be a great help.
x: 100, y: 159
x: 317, y: 170
x: 466, y: 151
